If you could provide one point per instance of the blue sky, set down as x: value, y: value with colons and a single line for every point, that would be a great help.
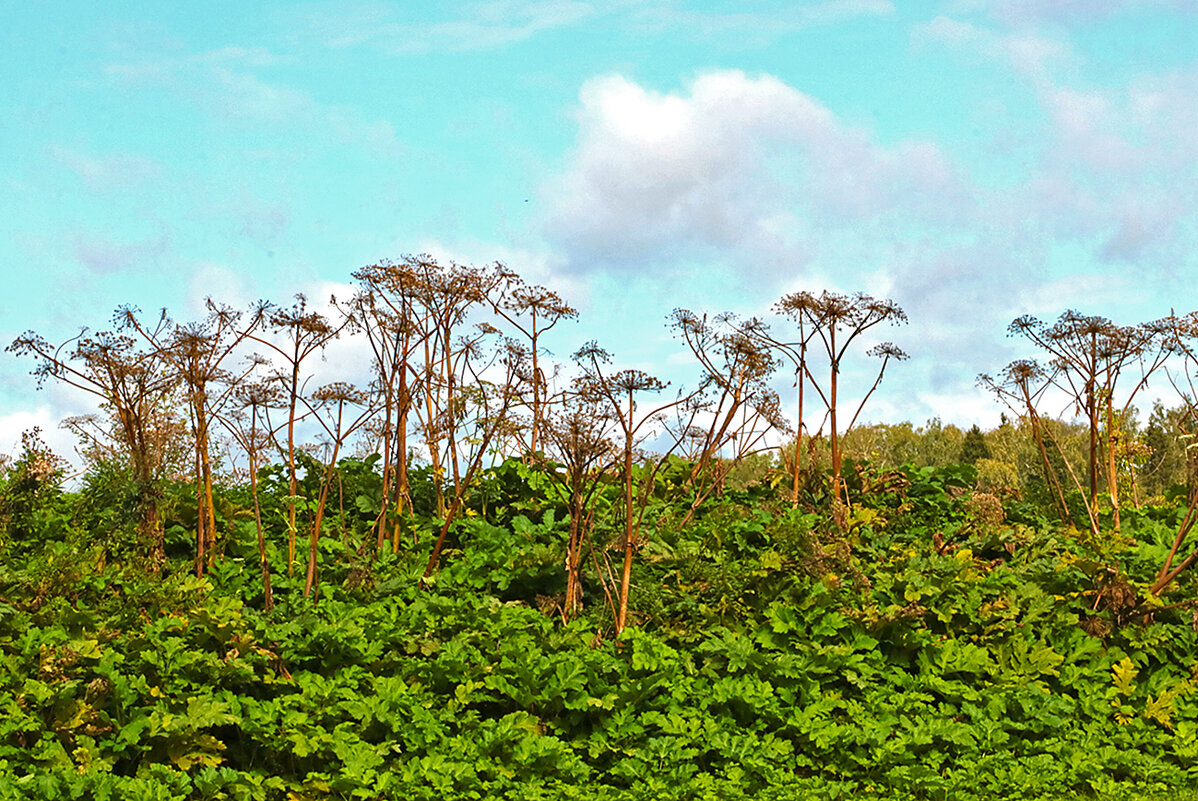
x: 972, y: 159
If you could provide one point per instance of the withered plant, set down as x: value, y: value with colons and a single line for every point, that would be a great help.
x: 836, y: 321
x: 792, y: 349
x: 249, y: 424
x: 196, y: 352
x: 387, y: 309
x: 485, y: 399
x: 533, y: 311
x: 136, y: 387
x: 578, y: 431
x: 444, y: 296
x: 734, y: 408
x: 620, y: 390
x: 1021, y: 386
x: 330, y: 406
x: 298, y: 334
x: 1089, y: 355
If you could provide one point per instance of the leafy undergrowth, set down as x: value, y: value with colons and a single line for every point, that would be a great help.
x: 948, y: 658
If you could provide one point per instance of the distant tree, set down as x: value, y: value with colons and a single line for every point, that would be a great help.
x: 1167, y: 436
x: 974, y: 446
x: 892, y: 445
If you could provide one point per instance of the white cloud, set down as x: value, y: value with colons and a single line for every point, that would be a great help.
x: 12, y: 426
x: 720, y: 165
x: 1031, y: 54
x: 752, y: 178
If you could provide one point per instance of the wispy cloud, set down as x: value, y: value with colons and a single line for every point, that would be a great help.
x: 754, y: 23
x: 1106, y: 157
x: 475, y: 26
x: 103, y: 255
x: 150, y: 67
x: 227, y: 84
x: 111, y: 173
x: 1024, y: 12
x: 239, y: 95
x: 1032, y: 54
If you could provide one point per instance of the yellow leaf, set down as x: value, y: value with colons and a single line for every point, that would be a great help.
x: 1160, y: 709
x: 1125, y: 673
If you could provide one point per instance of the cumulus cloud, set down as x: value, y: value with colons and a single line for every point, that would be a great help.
x: 748, y: 176
x: 13, y: 425
x: 719, y: 165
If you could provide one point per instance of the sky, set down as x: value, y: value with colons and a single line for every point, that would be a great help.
x: 973, y: 160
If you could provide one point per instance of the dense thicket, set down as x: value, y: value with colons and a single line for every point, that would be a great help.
x: 937, y: 647
x: 496, y: 576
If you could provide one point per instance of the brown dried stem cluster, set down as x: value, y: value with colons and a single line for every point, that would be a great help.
x: 458, y: 372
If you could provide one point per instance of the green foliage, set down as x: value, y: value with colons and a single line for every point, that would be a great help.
x: 931, y: 650
x: 973, y: 447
